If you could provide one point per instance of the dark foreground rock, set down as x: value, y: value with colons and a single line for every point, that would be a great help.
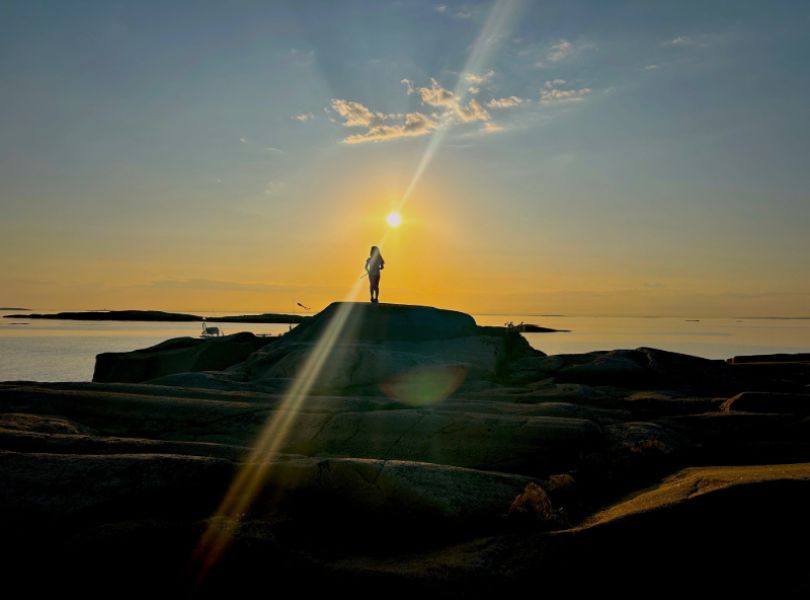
x: 415, y: 454
x: 178, y: 355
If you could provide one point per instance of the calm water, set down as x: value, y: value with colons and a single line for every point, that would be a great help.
x: 51, y: 350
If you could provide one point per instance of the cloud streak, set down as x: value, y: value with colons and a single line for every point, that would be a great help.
x: 509, y: 102
x: 681, y: 40
x: 552, y: 92
x: 560, y: 51
x: 476, y: 81
x: 444, y: 108
x: 415, y: 125
x: 379, y: 126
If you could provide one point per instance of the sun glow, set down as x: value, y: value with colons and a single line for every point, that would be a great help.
x: 394, y: 219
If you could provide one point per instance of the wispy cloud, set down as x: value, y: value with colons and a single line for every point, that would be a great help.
x: 380, y: 126
x: 560, y: 51
x: 355, y: 114
x: 440, y: 97
x: 479, y: 79
x: 444, y: 108
x: 303, y: 117
x: 681, y: 40
x: 415, y: 124
x: 491, y: 127
x: 462, y: 12
x: 476, y: 81
x: 554, y: 53
x: 699, y: 40
x: 553, y: 92
x: 509, y: 102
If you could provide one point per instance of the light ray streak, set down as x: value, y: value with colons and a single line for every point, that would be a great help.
x: 254, y: 471
x: 500, y: 17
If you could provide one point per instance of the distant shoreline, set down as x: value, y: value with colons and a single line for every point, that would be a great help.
x: 13, y: 308
x: 158, y: 315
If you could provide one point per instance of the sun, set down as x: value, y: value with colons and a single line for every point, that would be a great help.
x: 394, y: 219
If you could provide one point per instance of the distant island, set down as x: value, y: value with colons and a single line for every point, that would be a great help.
x: 13, y: 308
x: 158, y: 315
x: 532, y: 328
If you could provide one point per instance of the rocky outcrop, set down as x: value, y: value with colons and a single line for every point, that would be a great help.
x: 649, y: 368
x: 429, y: 456
x: 419, y: 354
x: 178, y: 355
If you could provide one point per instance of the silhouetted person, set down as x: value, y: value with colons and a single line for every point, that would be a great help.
x: 374, y: 264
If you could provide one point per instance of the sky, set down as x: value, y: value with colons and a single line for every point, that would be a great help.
x: 578, y: 158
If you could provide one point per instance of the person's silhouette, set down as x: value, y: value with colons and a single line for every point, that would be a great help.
x: 374, y: 264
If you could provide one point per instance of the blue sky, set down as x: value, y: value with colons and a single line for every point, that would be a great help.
x: 578, y: 153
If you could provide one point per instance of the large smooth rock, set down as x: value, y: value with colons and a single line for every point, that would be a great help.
x: 177, y: 355
x: 322, y: 426
x: 67, y: 486
x: 374, y: 348
x: 643, y: 367
x: 367, y: 322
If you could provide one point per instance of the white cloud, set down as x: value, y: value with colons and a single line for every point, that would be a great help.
x: 440, y: 97
x: 560, y: 51
x: 477, y: 81
x: 415, y: 125
x: 303, y: 117
x: 462, y: 12
x: 443, y: 106
x: 243, y: 140
x: 355, y: 114
x: 651, y: 67
x: 380, y: 126
x: 681, y: 40
x: 552, y: 93
x: 505, y: 102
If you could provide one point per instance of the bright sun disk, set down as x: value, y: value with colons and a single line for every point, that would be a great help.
x: 394, y: 219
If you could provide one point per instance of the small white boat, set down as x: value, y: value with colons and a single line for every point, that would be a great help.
x: 208, y: 331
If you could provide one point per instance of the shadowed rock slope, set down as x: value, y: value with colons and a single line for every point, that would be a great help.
x: 430, y: 456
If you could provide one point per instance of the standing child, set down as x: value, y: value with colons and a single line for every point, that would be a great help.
x: 374, y: 264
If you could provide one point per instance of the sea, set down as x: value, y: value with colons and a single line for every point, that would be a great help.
x: 57, y: 350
